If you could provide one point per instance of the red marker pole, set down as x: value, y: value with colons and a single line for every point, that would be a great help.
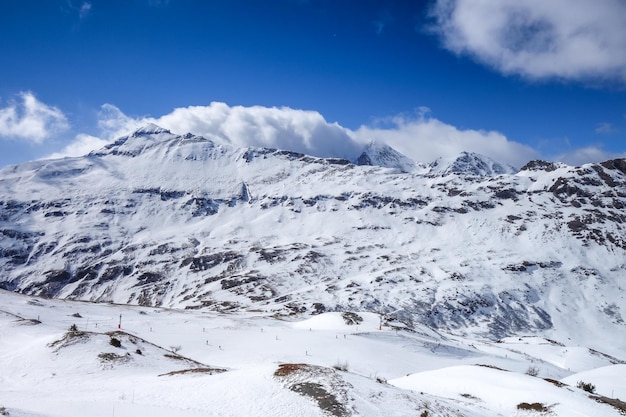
x: 119, y: 325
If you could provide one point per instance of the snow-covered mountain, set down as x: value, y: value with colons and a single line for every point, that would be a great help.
x: 467, y: 246
x: 382, y: 155
x: 470, y: 163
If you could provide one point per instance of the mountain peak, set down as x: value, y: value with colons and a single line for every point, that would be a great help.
x: 379, y: 154
x: 149, y: 129
x: 470, y: 163
x: 143, y: 138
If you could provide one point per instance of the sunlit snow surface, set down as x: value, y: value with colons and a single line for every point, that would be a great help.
x: 389, y: 371
x: 462, y: 245
x: 448, y: 266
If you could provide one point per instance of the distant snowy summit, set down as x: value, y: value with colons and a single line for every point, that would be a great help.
x: 466, y: 163
x: 150, y: 129
x: 379, y: 154
x: 470, y: 163
x: 375, y: 153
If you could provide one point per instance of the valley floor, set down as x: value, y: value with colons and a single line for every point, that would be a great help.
x: 56, y: 359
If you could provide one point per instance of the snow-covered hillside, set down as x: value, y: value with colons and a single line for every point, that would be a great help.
x: 62, y: 358
x: 158, y: 219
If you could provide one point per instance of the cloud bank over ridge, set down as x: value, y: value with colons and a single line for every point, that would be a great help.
x: 420, y: 137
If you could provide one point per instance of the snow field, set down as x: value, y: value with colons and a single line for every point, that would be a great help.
x: 39, y: 380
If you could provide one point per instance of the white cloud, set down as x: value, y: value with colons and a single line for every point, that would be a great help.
x: 605, y: 128
x: 420, y: 137
x: 82, y: 145
x: 113, y: 123
x: 587, y: 154
x: 425, y: 139
x: 31, y: 120
x: 285, y: 128
x: 565, y: 39
x: 84, y: 10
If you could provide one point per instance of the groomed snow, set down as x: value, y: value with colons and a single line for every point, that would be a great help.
x: 609, y: 381
x: 42, y: 377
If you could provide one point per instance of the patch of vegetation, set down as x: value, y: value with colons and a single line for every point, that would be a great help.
x: 615, y: 403
x: 115, y: 342
x: 113, y: 357
x: 209, y: 371
x: 555, y: 382
x: 424, y: 413
x: 4, y: 411
x: 29, y: 322
x: 77, y: 315
x: 491, y: 366
x: 341, y: 366
x: 554, y: 342
x: 175, y: 357
x: 532, y: 371
x: 533, y: 407
x: 285, y: 369
x: 181, y: 358
x: 325, y: 400
x: 586, y: 386
x: 138, y: 352
x: 72, y: 336
x: 319, y: 383
x: 470, y: 397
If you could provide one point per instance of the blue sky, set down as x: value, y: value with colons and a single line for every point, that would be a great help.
x: 515, y: 80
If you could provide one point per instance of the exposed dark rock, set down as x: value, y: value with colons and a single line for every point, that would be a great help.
x: 539, y: 165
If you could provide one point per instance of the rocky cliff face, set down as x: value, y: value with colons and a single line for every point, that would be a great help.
x: 179, y: 221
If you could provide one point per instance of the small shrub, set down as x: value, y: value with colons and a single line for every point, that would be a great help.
x: 115, y: 342
x: 533, y: 407
x: 138, y: 352
x: 586, y: 386
x: 341, y: 366
x: 4, y: 411
x: 532, y: 371
x: 114, y: 357
x: 381, y: 380
x: 77, y: 315
x: 175, y: 357
x: 424, y: 413
x: 209, y: 371
x: 73, y: 328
